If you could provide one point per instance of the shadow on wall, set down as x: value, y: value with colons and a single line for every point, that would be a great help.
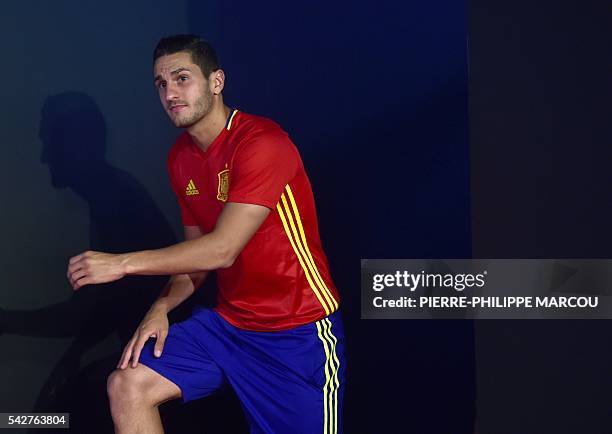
x: 123, y: 217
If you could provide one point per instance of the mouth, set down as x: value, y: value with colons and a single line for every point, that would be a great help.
x: 177, y: 108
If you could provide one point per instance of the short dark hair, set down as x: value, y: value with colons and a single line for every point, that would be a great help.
x: 202, y: 53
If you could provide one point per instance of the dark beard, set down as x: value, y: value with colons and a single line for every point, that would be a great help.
x: 202, y: 107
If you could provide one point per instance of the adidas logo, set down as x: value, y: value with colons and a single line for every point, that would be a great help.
x: 191, y: 189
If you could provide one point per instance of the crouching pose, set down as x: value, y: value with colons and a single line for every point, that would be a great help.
x: 248, y: 211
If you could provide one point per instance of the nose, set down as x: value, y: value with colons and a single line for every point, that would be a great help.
x: 171, y: 92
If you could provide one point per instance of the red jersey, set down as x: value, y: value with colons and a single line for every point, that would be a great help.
x: 281, y: 278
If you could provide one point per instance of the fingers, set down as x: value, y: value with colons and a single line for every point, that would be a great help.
x: 131, y: 352
x: 76, y: 258
x: 76, y: 262
x: 94, y: 267
x: 127, y: 353
x: 74, y: 268
x: 77, y: 280
x: 159, y: 344
x: 134, y: 347
x: 77, y: 270
x: 82, y: 282
x: 138, y: 348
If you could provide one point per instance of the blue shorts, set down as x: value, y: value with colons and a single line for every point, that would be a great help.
x: 289, y: 381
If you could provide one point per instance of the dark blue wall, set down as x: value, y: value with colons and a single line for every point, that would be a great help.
x: 374, y: 96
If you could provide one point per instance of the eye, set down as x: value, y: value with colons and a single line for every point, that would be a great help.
x: 161, y: 85
x: 183, y: 78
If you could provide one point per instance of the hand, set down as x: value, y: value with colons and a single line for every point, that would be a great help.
x: 154, y: 325
x: 94, y: 267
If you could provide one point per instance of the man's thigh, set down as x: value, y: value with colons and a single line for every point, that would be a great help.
x: 185, y: 361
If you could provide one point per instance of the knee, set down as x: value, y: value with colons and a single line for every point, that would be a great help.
x: 126, y: 387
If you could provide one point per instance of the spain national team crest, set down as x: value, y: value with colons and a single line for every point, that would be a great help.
x: 223, y: 186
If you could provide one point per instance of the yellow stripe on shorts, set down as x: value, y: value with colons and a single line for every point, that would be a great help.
x: 332, y: 366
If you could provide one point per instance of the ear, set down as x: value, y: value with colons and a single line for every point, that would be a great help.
x: 217, y: 81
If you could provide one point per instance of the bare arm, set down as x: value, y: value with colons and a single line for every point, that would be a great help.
x: 181, y: 286
x: 155, y: 323
x: 218, y: 249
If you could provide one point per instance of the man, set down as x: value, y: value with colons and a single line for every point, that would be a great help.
x: 248, y: 212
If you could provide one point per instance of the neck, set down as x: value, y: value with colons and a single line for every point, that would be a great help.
x: 210, y: 126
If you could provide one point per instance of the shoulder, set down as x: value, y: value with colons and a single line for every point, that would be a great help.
x: 249, y: 123
x: 262, y: 135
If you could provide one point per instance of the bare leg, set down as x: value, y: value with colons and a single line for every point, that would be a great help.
x: 135, y: 395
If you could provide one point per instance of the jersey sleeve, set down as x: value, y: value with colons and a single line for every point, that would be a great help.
x: 186, y: 216
x: 261, y: 168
